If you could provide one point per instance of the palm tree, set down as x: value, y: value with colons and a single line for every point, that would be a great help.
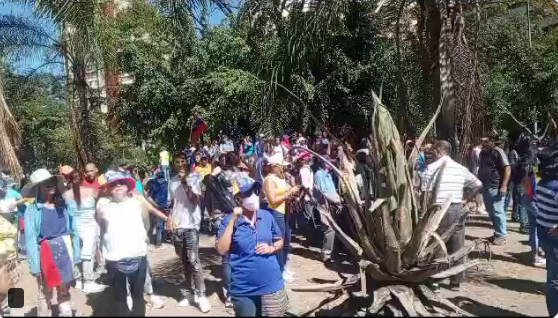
x: 82, y: 47
x: 447, y: 61
x: 77, y: 46
x: 10, y: 135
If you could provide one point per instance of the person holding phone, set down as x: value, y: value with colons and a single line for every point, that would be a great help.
x: 279, y: 193
x: 252, y: 237
x: 185, y: 216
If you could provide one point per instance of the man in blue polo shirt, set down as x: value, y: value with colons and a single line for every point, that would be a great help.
x: 251, y: 237
x: 326, y: 194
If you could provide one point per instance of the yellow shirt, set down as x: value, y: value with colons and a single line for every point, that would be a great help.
x: 282, y: 186
x: 203, y: 171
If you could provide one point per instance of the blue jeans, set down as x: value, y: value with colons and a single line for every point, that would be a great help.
x: 494, y: 203
x: 519, y: 209
x: 159, y: 231
x: 531, y: 209
x: 285, y: 228
x: 550, y: 247
x: 247, y: 306
x: 510, y: 197
x: 226, y: 273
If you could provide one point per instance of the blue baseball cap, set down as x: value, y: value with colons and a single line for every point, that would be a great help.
x: 246, y: 184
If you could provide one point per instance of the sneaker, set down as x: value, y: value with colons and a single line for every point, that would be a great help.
x: 156, y: 302
x: 540, y: 262
x: 203, y: 302
x: 43, y: 310
x: 92, y: 288
x: 228, y: 303
x: 289, y: 272
x: 79, y: 284
x: 455, y: 287
x: 184, y: 303
x: 499, y: 240
x: 129, y: 302
x: 101, y: 270
x: 65, y: 309
x: 524, y: 229
x: 288, y: 278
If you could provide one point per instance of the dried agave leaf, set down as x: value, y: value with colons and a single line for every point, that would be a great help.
x: 423, y: 232
x: 376, y: 272
x: 442, y: 245
x: 456, y: 269
x: 345, y: 239
x: 448, y: 232
x: 393, y: 251
x: 405, y: 297
x: 414, y: 154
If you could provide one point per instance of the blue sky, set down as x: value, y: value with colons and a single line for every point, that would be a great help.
x: 10, y: 7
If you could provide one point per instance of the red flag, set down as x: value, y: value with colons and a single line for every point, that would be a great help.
x: 200, y: 126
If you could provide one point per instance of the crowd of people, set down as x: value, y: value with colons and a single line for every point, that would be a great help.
x: 250, y: 195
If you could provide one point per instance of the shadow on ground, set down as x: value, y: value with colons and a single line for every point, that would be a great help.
x: 519, y: 285
x: 168, y: 280
x: 481, y: 310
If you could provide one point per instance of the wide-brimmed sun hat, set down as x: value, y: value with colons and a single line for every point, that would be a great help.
x: 113, y: 176
x: 37, y: 177
x: 275, y: 160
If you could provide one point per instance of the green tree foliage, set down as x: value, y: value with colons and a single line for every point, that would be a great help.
x: 39, y: 105
x: 519, y: 80
x: 228, y: 75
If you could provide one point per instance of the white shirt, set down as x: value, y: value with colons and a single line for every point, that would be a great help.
x: 184, y: 214
x: 125, y: 235
x: 454, y: 179
x: 307, y: 179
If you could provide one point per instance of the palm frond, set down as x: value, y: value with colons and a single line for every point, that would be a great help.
x: 24, y: 38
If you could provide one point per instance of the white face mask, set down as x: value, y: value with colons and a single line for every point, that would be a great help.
x: 251, y: 203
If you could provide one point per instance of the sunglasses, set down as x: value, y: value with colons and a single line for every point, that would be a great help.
x: 117, y: 183
x: 51, y: 184
x: 249, y: 193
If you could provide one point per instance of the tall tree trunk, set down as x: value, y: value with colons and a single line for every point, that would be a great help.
x: 111, y: 72
x: 403, y: 95
x: 10, y: 136
x: 446, y: 122
x: 86, y: 133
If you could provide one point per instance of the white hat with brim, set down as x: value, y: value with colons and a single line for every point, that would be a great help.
x: 275, y: 160
x: 37, y: 177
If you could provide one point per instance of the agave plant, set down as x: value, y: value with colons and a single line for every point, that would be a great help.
x: 400, y: 248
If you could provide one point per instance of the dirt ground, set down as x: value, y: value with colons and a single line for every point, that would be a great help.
x: 505, y: 286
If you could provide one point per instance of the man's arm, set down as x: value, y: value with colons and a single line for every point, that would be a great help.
x: 151, y: 207
x: 506, y: 179
x: 472, y: 183
x: 506, y: 168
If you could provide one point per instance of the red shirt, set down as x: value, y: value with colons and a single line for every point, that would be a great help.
x: 95, y: 184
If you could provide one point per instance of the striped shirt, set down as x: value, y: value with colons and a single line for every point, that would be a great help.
x: 547, y: 203
x: 454, y: 179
